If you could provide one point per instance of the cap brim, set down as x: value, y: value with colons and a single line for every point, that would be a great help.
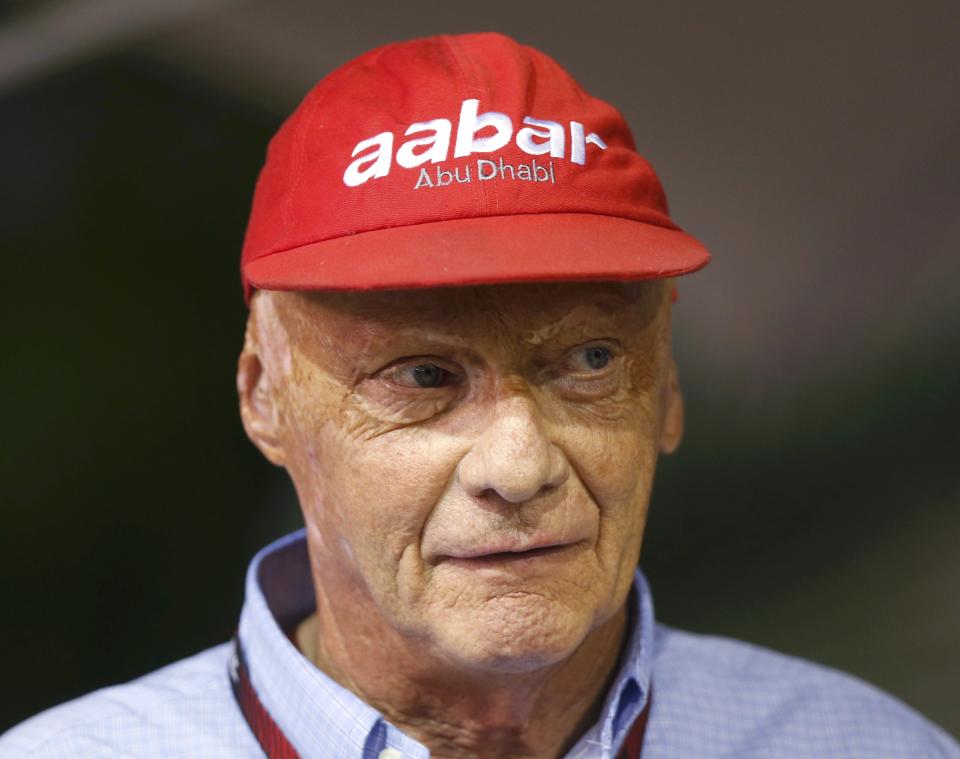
x: 483, y: 250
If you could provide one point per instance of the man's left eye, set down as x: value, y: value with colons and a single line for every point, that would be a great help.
x: 590, y: 359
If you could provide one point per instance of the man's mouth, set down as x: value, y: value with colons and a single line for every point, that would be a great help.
x: 497, y: 555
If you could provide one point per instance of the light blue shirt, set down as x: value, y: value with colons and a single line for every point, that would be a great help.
x: 713, y: 697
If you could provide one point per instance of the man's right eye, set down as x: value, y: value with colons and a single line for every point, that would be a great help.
x: 425, y: 375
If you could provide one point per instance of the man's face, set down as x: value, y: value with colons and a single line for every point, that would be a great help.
x: 474, y: 464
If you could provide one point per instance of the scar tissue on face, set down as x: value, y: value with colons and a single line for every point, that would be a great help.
x: 570, y: 322
x: 272, y: 338
x: 635, y: 304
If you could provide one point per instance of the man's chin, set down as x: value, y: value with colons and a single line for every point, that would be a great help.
x: 512, y: 635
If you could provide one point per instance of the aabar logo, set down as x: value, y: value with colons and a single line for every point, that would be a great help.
x: 431, y: 143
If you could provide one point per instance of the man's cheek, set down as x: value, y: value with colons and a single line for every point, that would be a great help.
x: 392, y: 488
x: 417, y: 462
x: 611, y: 464
x: 621, y: 491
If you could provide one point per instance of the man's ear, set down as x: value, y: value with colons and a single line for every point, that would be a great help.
x: 671, y: 410
x: 258, y: 403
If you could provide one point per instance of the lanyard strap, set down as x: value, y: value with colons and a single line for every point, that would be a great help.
x: 269, y: 735
x: 276, y: 745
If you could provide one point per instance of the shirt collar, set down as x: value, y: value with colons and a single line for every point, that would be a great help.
x: 322, y: 718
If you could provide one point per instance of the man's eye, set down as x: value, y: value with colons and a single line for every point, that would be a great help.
x: 422, y: 375
x: 590, y: 359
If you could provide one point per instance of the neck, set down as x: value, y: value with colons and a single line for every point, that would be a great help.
x: 461, y: 713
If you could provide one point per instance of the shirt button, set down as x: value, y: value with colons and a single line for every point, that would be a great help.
x: 390, y: 753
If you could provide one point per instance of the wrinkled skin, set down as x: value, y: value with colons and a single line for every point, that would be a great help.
x: 435, y: 439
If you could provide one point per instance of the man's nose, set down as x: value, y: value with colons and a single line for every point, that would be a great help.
x: 514, y: 455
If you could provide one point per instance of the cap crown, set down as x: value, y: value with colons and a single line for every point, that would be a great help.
x: 445, y: 128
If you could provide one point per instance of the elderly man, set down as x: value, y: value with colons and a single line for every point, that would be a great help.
x: 459, y: 273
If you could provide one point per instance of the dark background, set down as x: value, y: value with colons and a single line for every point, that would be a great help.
x: 813, y: 147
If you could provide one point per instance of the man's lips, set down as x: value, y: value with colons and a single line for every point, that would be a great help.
x: 512, y: 550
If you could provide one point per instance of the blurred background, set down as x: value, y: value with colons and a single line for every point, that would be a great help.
x: 815, y: 504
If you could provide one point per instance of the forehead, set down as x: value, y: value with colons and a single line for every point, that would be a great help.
x: 536, y: 309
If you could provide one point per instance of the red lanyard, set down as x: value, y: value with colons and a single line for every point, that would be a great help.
x: 276, y: 746
x: 269, y: 735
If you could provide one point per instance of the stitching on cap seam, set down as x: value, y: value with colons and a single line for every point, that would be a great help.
x: 479, y: 193
x: 301, y: 139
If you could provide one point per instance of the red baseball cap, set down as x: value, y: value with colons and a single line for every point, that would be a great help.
x: 456, y: 160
